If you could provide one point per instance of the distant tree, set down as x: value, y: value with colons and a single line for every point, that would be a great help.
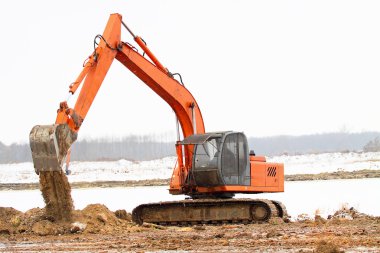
x: 315, y: 143
x: 372, y: 146
x: 148, y: 147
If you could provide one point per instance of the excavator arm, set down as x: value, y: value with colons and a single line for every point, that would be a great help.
x: 50, y: 144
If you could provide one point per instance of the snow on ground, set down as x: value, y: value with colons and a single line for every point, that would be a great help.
x: 122, y: 170
x: 162, y: 168
x: 95, y: 171
x: 328, y: 162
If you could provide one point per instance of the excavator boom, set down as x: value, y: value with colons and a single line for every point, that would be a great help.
x: 48, y: 148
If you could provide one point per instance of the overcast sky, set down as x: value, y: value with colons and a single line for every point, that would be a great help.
x: 262, y: 67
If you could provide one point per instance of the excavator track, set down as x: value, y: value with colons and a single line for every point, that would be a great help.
x: 281, y: 209
x: 208, y: 211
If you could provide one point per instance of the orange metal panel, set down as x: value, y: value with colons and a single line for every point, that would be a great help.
x: 254, y: 158
x: 239, y: 189
x: 258, y: 173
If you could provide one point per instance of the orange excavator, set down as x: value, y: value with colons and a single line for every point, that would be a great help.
x: 210, y: 168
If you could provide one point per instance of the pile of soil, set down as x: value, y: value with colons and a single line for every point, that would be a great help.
x: 345, y: 213
x: 93, y: 219
x: 10, y: 219
x: 99, y: 219
x: 348, y: 213
x: 97, y: 229
x: 327, y: 247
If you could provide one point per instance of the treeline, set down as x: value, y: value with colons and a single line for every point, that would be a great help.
x: 14, y: 153
x: 130, y: 148
x: 150, y: 147
x: 134, y: 147
x: 316, y: 143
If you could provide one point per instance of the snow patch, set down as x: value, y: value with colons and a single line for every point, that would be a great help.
x: 122, y: 170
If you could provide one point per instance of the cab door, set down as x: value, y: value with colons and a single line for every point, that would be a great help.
x: 234, y: 160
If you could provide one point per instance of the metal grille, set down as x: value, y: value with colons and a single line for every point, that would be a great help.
x: 271, y: 171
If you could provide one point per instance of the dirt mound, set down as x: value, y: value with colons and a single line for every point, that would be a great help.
x: 122, y: 214
x: 46, y: 227
x: 35, y: 221
x: 56, y: 192
x: 303, y: 217
x: 346, y: 213
x: 93, y: 219
x: 10, y: 218
x: 327, y: 247
x: 99, y: 219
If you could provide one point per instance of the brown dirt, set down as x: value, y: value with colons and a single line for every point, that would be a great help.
x: 56, y: 192
x: 327, y: 247
x: 97, y: 229
x: 93, y: 219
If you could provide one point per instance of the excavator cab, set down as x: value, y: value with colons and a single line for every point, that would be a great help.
x: 219, y: 159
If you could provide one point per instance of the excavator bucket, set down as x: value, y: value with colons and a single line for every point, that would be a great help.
x: 49, y: 145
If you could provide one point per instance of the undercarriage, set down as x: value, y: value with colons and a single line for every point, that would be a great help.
x: 209, y: 211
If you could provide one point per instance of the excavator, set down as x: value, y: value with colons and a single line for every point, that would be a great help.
x: 211, y: 167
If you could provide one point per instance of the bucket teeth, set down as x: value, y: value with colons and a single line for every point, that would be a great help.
x: 49, y: 145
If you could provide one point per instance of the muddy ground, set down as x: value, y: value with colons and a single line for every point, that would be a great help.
x: 97, y: 229
x: 164, y: 182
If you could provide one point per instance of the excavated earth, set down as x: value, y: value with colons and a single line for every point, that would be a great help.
x: 56, y: 191
x: 97, y: 229
x: 58, y: 227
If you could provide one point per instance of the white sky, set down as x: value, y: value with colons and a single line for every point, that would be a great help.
x: 262, y: 67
